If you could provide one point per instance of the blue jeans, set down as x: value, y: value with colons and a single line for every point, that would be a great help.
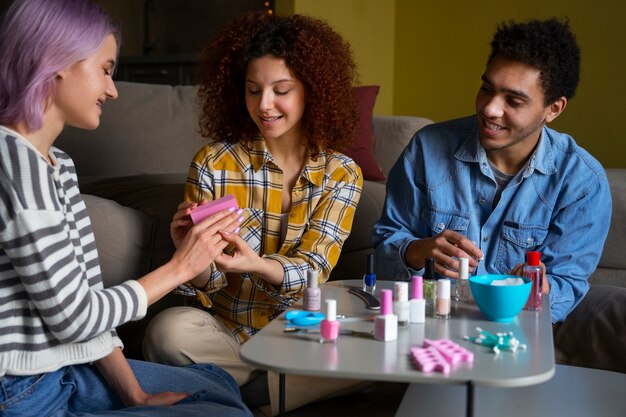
x: 80, y: 390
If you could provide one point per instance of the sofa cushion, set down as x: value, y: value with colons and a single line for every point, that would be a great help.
x: 123, y: 237
x: 352, y: 262
x: 155, y: 196
x: 362, y: 149
x: 391, y: 135
x: 148, y: 129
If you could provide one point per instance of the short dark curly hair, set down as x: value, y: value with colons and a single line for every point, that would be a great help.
x: 547, y: 45
x: 317, y: 55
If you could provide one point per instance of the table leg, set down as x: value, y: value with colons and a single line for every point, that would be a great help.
x: 281, y: 395
x: 469, y: 410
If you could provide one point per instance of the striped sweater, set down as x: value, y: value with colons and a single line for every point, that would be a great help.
x: 54, y: 310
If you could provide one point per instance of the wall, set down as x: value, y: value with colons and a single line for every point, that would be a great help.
x: 441, y: 53
x: 369, y: 27
x: 431, y: 54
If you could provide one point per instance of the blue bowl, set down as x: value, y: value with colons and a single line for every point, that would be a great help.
x: 496, y: 302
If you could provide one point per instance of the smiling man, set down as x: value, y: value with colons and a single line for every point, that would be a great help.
x: 500, y: 183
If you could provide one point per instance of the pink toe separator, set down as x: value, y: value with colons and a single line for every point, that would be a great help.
x: 438, y: 355
x: 429, y: 359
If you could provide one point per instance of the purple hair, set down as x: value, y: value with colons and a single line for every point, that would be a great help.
x: 39, y: 38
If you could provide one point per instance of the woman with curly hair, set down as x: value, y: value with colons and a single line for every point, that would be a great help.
x: 278, y: 106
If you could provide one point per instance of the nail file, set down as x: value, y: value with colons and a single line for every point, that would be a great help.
x: 371, y: 301
x: 205, y: 210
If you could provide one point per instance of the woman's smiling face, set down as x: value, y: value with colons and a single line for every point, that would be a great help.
x: 275, y: 98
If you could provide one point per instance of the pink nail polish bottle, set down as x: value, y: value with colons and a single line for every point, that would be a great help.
x: 386, y: 325
x: 417, y: 305
x: 329, y: 327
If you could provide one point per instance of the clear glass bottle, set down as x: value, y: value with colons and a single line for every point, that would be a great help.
x: 430, y: 287
x: 532, y: 269
x: 461, y: 285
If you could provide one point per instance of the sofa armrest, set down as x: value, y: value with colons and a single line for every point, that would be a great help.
x: 391, y: 135
x: 612, y: 267
x: 123, y: 238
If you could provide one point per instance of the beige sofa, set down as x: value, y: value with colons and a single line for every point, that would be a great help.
x: 132, y: 169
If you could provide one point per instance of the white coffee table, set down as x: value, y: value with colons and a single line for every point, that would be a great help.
x: 369, y: 359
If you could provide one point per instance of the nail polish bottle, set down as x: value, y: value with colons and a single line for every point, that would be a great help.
x: 443, y: 298
x: 401, y: 302
x: 532, y: 269
x: 312, y: 293
x: 430, y: 287
x: 461, y: 287
x: 386, y: 324
x: 417, y: 305
x: 369, y: 279
x: 329, y: 327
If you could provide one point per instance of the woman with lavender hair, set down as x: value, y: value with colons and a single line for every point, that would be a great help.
x: 59, y: 353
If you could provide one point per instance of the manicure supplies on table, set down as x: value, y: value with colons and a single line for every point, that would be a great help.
x: 342, y: 332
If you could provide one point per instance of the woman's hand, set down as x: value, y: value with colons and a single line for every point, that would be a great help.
x: 159, y: 399
x: 244, y: 259
x: 203, y: 243
x: 181, y: 223
x: 117, y: 372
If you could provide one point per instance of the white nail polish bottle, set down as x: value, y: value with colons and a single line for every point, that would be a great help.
x: 461, y: 287
x: 443, y: 299
x: 417, y: 305
x: 401, y: 302
x: 386, y: 324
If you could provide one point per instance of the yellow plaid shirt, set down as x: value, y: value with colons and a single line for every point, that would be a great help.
x: 324, y: 200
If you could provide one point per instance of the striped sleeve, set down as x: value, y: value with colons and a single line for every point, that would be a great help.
x: 48, y: 271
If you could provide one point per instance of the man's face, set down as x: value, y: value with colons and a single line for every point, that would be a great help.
x: 511, y: 111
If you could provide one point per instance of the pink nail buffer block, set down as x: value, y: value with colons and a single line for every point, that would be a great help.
x: 202, y: 212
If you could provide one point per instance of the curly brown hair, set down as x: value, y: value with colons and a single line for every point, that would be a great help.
x: 317, y: 55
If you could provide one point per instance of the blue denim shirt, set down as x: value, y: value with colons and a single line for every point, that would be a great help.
x: 558, y: 204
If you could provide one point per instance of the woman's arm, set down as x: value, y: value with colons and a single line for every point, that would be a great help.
x: 117, y: 372
x: 199, y: 247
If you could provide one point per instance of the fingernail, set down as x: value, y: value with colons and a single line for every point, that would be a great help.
x: 225, y: 233
x: 240, y: 219
x: 237, y: 230
x: 231, y: 209
x: 239, y: 211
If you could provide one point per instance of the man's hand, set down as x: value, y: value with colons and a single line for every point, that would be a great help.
x: 445, y: 248
x: 545, y: 284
